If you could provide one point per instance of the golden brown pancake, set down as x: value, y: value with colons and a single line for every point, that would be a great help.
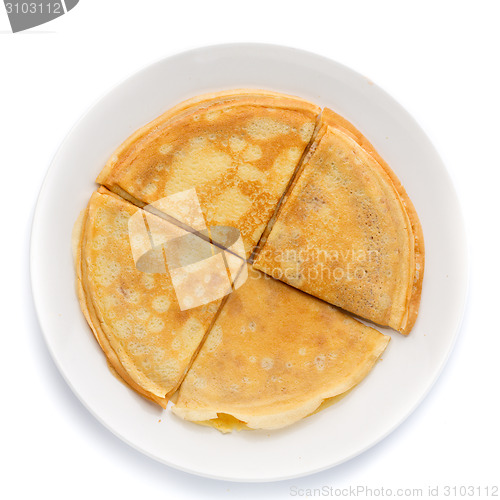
x: 335, y: 120
x: 273, y: 356
x: 320, y: 210
x: 134, y: 315
x: 238, y: 149
x: 347, y: 231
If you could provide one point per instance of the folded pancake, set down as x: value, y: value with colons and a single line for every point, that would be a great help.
x: 238, y: 149
x: 273, y: 356
x: 347, y: 232
x: 134, y: 315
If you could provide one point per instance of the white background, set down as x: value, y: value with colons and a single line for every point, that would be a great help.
x: 440, y: 60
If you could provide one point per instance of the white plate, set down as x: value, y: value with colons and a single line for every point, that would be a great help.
x: 410, y: 365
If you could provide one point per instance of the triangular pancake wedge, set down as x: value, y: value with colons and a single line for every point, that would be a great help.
x: 134, y: 315
x: 347, y: 232
x: 273, y: 356
x: 238, y: 149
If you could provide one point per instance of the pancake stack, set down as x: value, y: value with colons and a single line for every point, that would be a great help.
x: 326, y: 228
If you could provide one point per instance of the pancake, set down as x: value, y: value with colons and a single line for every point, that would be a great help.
x: 273, y: 356
x: 347, y: 232
x: 241, y: 175
x: 238, y: 149
x: 134, y: 315
x: 335, y: 120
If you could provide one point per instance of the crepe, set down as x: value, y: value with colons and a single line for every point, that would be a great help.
x: 273, y: 356
x: 238, y: 149
x: 231, y: 177
x: 347, y: 231
x: 134, y: 315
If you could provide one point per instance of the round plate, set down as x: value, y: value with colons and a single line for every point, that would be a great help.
x: 410, y: 365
